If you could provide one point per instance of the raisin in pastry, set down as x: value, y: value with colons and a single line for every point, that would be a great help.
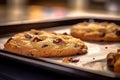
x: 96, y: 31
x: 45, y: 44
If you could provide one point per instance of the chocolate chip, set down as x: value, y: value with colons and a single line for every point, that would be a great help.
x: 16, y: 46
x: 102, y: 34
x: 36, y: 39
x: 28, y: 36
x: 65, y: 33
x: 74, y: 60
x: 118, y: 33
x: 9, y: 40
x: 67, y: 60
x: 36, y: 33
x: 93, y: 58
x: 43, y: 46
x: 106, y: 47
x: 58, y: 41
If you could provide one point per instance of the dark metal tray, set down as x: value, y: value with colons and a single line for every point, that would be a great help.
x: 7, y: 30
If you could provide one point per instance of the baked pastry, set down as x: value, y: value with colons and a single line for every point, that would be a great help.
x: 70, y: 60
x: 45, y: 44
x: 113, y: 61
x: 96, y: 31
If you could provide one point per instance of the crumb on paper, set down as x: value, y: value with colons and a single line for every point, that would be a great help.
x: 93, y: 58
x: 70, y: 60
x: 106, y: 47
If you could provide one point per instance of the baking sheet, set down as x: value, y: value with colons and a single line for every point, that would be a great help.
x: 94, y: 61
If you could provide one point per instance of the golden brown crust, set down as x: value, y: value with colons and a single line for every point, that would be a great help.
x: 96, y: 31
x: 117, y: 66
x: 45, y: 44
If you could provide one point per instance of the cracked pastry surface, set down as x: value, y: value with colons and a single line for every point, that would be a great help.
x: 39, y: 43
x: 96, y: 31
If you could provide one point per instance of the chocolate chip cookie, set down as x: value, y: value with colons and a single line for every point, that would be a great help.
x: 96, y: 31
x: 113, y: 60
x: 38, y: 43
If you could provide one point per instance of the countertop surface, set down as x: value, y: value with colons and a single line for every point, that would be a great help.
x: 40, y: 13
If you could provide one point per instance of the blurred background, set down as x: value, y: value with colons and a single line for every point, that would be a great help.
x: 25, y: 10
